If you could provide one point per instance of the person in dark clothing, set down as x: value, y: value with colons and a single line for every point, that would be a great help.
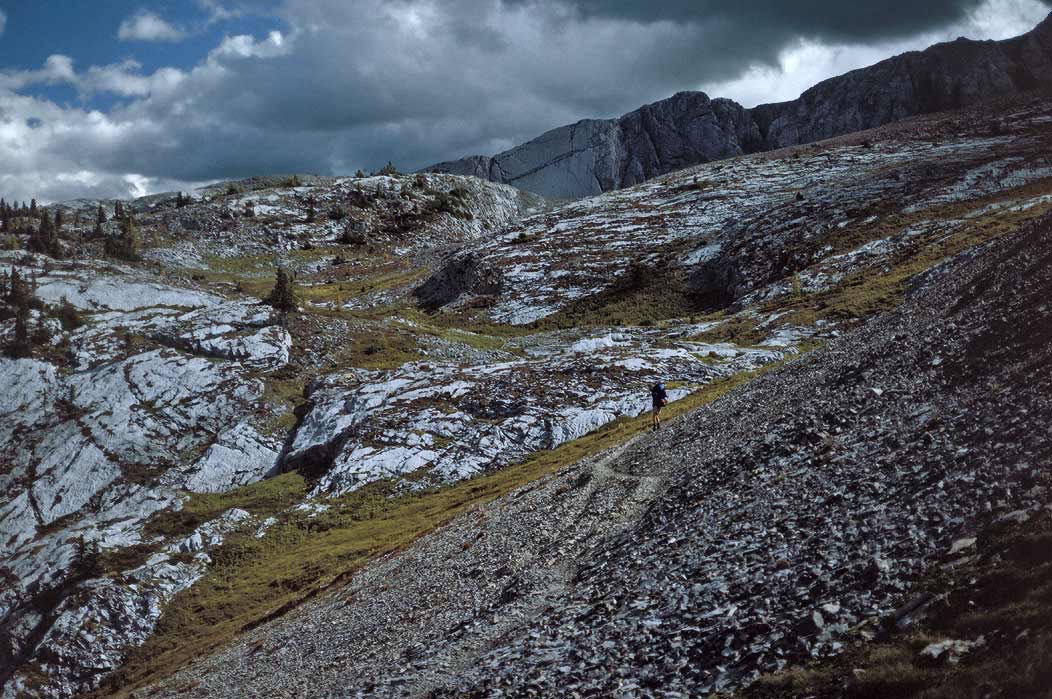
x: 660, y: 399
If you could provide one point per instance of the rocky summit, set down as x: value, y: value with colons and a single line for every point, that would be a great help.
x: 390, y: 435
x: 595, y: 156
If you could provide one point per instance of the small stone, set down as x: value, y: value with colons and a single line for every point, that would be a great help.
x: 962, y: 545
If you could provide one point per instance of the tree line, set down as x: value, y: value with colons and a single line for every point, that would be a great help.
x: 44, y: 232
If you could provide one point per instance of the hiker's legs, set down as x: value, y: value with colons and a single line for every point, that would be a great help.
x: 655, y: 417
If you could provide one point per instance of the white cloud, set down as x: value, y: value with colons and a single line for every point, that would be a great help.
x: 218, y: 11
x: 3, y: 21
x: 56, y: 69
x: 245, y: 46
x: 124, y: 78
x: 148, y: 26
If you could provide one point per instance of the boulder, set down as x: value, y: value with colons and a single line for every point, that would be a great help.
x: 715, y: 283
x: 465, y: 273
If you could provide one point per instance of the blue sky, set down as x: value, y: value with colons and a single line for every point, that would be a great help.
x: 119, y: 98
x: 88, y: 32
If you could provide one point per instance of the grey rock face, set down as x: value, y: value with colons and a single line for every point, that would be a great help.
x: 591, y: 157
x: 944, y: 77
x: 595, y: 156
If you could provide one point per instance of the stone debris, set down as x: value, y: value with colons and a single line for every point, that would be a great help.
x: 949, y: 652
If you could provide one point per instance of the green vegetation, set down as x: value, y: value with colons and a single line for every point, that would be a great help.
x: 382, y: 278
x: 125, y: 245
x: 382, y: 348
x: 866, y: 292
x: 68, y: 315
x: 283, y: 296
x: 645, y: 295
x: 45, y: 237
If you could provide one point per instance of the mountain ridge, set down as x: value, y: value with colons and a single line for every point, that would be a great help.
x: 593, y: 156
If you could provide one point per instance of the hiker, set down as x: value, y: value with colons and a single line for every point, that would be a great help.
x: 660, y: 399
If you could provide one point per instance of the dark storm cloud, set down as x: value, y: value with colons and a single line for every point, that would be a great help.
x: 835, y: 20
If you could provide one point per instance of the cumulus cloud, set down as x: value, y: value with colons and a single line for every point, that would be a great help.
x: 345, y: 85
x: 124, y: 79
x: 148, y: 26
x: 217, y: 11
x: 246, y: 46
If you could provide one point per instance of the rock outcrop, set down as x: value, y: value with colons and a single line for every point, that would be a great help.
x: 725, y: 232
x: 944, y: 77
x: 93, y: 446
x: 595, y: 156
x: 443, y: 423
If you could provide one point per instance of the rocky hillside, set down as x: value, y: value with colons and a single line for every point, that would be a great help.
x: 811, y: 510
x: 441, y: 438
x: 164, y: 375
x: 595, y: 156
x: 777, y: 526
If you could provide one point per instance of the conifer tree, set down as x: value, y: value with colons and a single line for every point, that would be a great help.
x: 38, y: 239
x: 118, y: 210
x: 283, y: 296
x: 101, y: 217
x: 67, y: 314
x: 17, y: 290
x: 58, y: 222
x: 44, y: 239
x: 311, y: 213
x: 41, y: 332
x: 20, y: 347
x: 125, y: 245
x: 86, y: 559
x: 33, y: 208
